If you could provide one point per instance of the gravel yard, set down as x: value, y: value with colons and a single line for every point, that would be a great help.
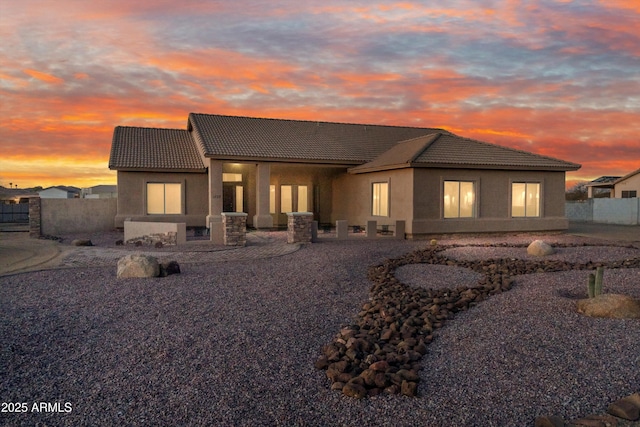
x: 234, y: 343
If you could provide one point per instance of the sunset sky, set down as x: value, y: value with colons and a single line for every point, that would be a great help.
x: 559, y: 78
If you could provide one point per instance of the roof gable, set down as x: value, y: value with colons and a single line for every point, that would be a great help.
x: 627, y: 176
x: 296, y: 140
x: 452, y: 151
x: 136, y: 148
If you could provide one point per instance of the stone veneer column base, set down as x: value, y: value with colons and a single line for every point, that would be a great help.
x: 235, y: 228
x: 299, y: 227
x: 35, y: 217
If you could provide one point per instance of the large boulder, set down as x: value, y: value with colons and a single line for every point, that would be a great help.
x: 540, y: 248
x: 614, y: 306
x: 136, y: 265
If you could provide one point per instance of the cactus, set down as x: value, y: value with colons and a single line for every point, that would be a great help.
x: 595, y: 282
x: 592, y: 285
x: 599, y: 280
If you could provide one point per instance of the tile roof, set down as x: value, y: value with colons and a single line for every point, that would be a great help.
x: 401, y: 155
x: 449, y: 150
x: 296, y: 140
x: 136, y: 148
x: 368, y: 147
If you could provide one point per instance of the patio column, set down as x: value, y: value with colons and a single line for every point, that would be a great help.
x: 262, y: 218
x: 214, y: 219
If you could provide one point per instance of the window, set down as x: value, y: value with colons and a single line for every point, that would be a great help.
x: 293, y: 195
x: 525, y: 199
x: 459, y: 199
x: 629, y: 194
x: 239, y: 198
x: 272, y: 199
x: 164, y: 198
x: 231, y: 177
x: 380, y: 199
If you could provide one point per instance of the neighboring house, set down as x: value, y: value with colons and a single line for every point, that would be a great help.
x: 60, y: 192
x: 601, y: 187
x: 624, y: 187
x: 628, y: 186
x: 435, y: 181
x: 100, y: 192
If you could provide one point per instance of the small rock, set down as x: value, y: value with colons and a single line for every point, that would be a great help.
x: 322, y: 362
x: 587, y: 422
x: 369, y: 377
x: 81, y: 242
x: 355, y: 390
x: 408, y: 388
x: 337, y: 386
x: 540, y: 248
x: 625, y: 408
x: 119, y: 242
x: 168, y: 268
x: 136, y: 265
x: 409, y: 375
x: 613, y: 306
x: 392, y: 389
x: 549, y: 421
x: 380, y: 366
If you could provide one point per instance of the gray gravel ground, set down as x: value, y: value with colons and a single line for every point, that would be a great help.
x: 234, y: 343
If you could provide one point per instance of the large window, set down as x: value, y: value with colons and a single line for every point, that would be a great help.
x: 380, y: 199
x: 629, y: 194
x: 164, y: 198
x: 525, y: 199
x: 459, y: 199
x: 293, y: 196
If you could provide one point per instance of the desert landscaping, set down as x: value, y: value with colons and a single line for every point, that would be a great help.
x: 464, y: 330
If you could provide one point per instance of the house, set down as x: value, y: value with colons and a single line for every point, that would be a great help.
x: 628, y: 186
x: 100, y: 192
x: 434, y: 180
x: 59, y: 192
x: 624, y: 187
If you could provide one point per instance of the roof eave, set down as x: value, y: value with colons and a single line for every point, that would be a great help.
x: 258, y: 159
x: 364, y: 169
x: 495, y: 167
x: 161, y: 170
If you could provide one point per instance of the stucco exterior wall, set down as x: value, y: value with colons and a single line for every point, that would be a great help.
x: 132, y: 197
x: 416, y: 196
x: 62, y: 216
x: 630, y: 184
x: 319, y: 181
x: 493, y: 202
x: 352, y: 197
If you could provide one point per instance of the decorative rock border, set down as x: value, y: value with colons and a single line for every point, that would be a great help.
x: 381, y: 351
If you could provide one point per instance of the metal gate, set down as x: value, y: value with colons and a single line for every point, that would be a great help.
x: 17, y: 212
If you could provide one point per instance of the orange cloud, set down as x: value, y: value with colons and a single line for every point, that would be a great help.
x: 47, y: 78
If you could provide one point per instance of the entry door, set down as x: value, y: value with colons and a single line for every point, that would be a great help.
x: 232, y: 198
